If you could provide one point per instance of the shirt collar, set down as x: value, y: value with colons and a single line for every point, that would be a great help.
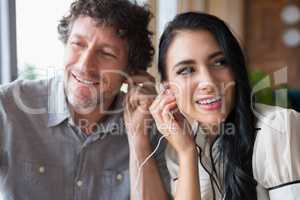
x: 57, y: 105
x: 113, y: 120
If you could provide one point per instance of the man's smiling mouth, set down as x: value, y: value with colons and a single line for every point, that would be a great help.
x: 87, y: 82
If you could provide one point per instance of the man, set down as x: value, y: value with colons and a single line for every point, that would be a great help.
x: 66, y: 138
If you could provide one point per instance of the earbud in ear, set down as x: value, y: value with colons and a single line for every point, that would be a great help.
x: 124, y: 87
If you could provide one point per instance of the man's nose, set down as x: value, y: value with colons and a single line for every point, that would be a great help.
x: 87, y: 64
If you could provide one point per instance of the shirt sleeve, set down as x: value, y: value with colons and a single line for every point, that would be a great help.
x: 2, y: 118
x: 276, y: 154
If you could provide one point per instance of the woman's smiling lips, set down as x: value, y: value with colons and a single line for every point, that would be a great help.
x: 210, y: 103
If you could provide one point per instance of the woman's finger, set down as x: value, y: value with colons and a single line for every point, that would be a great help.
x: 168, y: 118
x: 156, y: 102
x: 166, y: 113
x: 166, y: 99
x: 127, y: 104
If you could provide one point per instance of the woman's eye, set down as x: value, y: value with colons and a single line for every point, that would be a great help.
x: 220, y: 63
x: 185, y: 71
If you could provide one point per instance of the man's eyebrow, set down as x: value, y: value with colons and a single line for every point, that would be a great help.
x: 105, y: 45
x: 108, y: 46
x: 184, y: 62
x: 77, y: 36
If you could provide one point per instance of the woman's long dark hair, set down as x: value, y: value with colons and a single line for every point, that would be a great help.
x: 236, y: 149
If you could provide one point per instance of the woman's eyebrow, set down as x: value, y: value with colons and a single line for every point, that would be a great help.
x: 191, y: 61
x: 184, y: 62
x: 215, y: 54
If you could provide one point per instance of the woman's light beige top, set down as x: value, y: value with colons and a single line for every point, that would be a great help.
x: 276, y: 157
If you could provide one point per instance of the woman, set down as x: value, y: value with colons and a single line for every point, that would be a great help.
x: 220, y: 146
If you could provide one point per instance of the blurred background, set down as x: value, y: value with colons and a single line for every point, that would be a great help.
x: 268, y: 30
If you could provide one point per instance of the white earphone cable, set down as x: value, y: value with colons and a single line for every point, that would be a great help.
x: 140, y: 172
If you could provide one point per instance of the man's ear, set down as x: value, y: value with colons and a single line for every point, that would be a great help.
x: 124, y: 85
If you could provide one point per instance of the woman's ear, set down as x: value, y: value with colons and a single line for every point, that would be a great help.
x: 173, y: 87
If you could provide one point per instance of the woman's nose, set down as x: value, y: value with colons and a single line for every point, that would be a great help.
x: 206, y: 87
x: 206, y: 82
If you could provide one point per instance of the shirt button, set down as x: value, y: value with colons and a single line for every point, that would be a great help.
x: 79, y: 183
x: 41, y: 169
x: 119, y: 177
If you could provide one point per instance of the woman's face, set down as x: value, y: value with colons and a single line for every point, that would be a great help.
x: 199, y: 77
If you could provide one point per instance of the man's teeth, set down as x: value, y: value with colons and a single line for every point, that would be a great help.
x: 209, y: 101
x: 86, y: 81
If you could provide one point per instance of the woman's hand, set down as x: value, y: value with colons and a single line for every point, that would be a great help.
x: 145, y: 181
x: 177, y: 130
x: 172, y: 124
x: 137, y: 117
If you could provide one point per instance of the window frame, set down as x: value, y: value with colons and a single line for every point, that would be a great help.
x: 8, y: 41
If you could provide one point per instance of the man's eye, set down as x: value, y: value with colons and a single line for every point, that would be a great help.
x: 109, y: 54
x: 185, y: 71
x: 220, y: 63
x: 76, y: 44
x: 106, y: 54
